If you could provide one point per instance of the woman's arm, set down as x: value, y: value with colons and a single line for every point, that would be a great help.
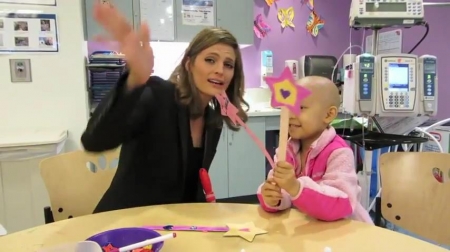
x: 120, y: 116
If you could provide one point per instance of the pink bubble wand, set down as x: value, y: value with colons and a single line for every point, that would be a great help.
x: 229, y: 110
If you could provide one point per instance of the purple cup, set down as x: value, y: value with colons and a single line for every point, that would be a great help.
x: 122, y: 237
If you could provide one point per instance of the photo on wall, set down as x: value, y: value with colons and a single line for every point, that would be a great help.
x: 45, y: 25
x: 21, y: 26
x: 45, y: 41
x: 21, y: 41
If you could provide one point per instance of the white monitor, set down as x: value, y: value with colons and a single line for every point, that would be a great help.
x: 428, y: 100
x: 397, y: 85
x: 377, y: 13
x: 359, y: 92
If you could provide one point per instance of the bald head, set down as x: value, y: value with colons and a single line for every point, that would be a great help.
x: 322, y: 90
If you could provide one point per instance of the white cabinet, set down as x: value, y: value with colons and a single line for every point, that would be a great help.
x: 22, y: 191
x: 218, y: 171
x: 246, y: 162
x: 239, y: 166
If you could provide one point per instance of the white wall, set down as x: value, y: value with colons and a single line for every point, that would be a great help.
x: 167, y: 57
x: 57, y: 97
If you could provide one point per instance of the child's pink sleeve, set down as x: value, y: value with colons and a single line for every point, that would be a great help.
x: 285, y: 202
x: 334, y: 197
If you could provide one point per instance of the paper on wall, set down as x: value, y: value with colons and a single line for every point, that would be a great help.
x: 198, y: 12
x: 388, y: 42
x: 30, y: 2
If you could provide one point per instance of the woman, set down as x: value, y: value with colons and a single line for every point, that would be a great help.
x: 167, y: 129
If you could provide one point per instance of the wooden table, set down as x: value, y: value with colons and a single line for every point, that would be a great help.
x: 288, y: 231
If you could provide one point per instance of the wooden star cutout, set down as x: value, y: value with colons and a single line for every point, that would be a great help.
x: 286, y: 92
x: 248, y: 231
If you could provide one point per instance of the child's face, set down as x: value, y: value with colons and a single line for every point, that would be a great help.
x: 317, y: 111
x: 310, y: 123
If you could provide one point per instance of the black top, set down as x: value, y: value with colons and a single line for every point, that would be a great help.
x: 193, y: 174
x: 153, y: 131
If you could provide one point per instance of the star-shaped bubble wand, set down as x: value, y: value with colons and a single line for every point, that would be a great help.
x: 229, y: 110
x: 287, y: 95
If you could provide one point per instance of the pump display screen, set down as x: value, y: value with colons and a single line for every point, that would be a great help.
x: 398, y: 77
x: 386, y: 7
x: 430, y: 68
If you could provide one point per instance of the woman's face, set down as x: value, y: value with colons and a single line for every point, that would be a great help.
x: 213, y: 69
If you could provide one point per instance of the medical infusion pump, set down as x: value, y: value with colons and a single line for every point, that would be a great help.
x: 428, y: 75
x: 392, y: 85
x: 397, y: 84
x: 385, y: 13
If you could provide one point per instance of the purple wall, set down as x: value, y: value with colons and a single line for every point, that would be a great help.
x: 436, y: 43
x: 333, y: 39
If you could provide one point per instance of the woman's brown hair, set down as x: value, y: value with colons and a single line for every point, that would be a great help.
x: 189, y: 94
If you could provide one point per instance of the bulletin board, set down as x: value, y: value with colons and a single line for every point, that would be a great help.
x: 28, y: 33
x: 388, y: 42
x: 159, y: 14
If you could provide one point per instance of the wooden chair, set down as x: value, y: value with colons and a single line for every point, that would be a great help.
x: 76, y: 181
x: 416, y: 193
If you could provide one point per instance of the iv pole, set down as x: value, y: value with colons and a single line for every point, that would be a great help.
x: 368, y: 157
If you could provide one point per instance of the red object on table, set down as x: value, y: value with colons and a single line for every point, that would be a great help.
x: 207, y: 186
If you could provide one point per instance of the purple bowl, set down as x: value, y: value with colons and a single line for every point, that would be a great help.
x: 122, y: 237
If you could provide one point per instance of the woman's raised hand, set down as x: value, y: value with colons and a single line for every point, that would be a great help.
x: 134, y: 44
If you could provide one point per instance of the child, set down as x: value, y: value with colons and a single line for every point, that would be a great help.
x: 319, y: 175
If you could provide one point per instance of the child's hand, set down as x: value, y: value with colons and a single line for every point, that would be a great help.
x: 284, y: 176
x: 271, y: 193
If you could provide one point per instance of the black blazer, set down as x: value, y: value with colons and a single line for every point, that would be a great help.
x: 153, y: 129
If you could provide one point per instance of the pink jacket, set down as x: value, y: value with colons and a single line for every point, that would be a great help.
x: 329, y: 184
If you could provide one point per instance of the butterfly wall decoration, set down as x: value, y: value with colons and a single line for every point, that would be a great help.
x: 260, y: 27
x: 286, y: 17
x: 309, y: 3
x: 314, y: 24
x: 270, y: 2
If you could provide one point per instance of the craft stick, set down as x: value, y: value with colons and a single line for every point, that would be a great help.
x: 284, y: 134
x: 191, y: 228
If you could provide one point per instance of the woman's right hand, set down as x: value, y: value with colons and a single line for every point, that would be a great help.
x: 134, y: 44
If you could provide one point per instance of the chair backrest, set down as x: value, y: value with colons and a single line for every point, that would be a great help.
x: 416, y: 193
x: 77, y: 180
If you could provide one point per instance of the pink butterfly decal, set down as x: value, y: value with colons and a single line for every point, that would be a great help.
x: 260, y: 27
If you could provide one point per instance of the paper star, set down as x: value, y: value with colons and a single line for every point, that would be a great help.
x: 227, y: 108
x: 109, y: 248
x: 248, y: 231
x: 144, y: 249
x: 286, y: 92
